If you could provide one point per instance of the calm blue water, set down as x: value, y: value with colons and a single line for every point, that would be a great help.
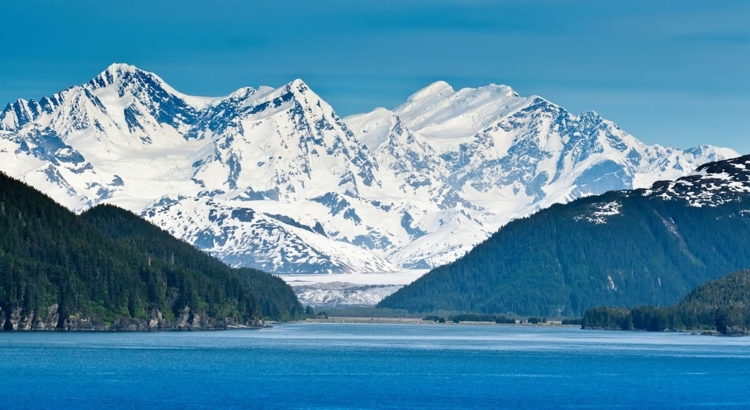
x: 360, y: 366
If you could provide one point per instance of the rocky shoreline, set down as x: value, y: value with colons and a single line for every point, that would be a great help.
x: 51, y: 320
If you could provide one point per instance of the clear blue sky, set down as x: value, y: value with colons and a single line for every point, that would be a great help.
x: 670, y: 72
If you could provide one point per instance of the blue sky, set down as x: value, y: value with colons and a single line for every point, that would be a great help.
x: 670, y: 72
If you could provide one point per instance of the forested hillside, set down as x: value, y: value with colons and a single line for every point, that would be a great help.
x: 722, y: 305
x: 275, y: 298
x: 623, y: 248
x: 109, y: 269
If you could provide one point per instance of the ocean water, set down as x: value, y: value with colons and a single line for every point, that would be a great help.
x: 363, y: 366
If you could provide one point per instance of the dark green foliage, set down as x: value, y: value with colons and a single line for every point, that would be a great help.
x: 654, y: 319
x: 732, y: 319
x: 731, y: 289
x: 276, y: 299
x: 197, y: 279
x: 557, y: 263
x: 572, y: 321
x: 607, y: 318
x: 473, y: 317
x: 108, y: 263
x: 723, y: 304
x: 536, y: 320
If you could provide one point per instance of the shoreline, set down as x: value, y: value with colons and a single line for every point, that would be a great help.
x: 553, y: 323
x: 420, y: 321
x: 110, y: 330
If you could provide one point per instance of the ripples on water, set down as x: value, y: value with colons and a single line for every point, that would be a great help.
x: 348, y: 366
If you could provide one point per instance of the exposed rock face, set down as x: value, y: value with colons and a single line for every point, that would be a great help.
x: 17, y: 319
x: 736, y: 331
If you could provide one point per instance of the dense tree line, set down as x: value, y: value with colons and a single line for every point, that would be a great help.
x: 722, y: 305
x: 557, y: 263
x: 471, y: 317
x: 111, y: 264
x: 572, y: 321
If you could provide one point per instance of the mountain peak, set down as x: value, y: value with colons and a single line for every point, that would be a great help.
x: 298, y: 86
x: 119, y: 68
x: 119, y: 75
x: 305, y: 95
x: 438, y: 88
x: 129, y: 78
x: 442, y: 89
x: 712, y: 184
x: 501, y: 89
x: 440, y: 85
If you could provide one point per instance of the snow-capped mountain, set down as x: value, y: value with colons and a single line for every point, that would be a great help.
x: 642, y: 247
x: 711, y: 185
x: 274, y: 179
x: 506, y: 156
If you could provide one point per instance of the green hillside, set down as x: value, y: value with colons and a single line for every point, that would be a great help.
x: 275, y: 298
x: 108, y: 269
x: 723, y: 305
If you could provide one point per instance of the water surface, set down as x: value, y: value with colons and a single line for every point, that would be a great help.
x: 361, y: 366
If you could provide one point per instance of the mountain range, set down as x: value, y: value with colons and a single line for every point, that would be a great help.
x: 622, y: 248
x: 274, y: 179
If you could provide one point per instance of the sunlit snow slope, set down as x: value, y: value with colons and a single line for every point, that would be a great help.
x: 274, y: 179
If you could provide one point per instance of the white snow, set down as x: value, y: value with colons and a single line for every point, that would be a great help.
x: 403, y: 277
x: 599, y: 213
x: 273, y: 178
x: 611, y: 283
x: 349, y: 289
